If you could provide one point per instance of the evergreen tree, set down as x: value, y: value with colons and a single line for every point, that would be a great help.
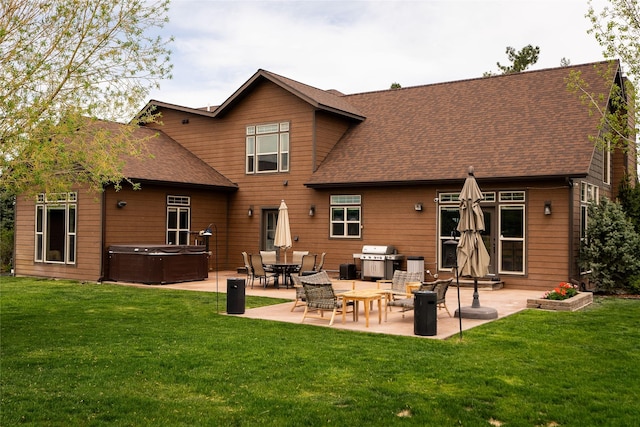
x: 612, y: 249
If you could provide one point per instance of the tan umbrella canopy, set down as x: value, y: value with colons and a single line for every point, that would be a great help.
x: 282, y: 238
x: 473, y: 258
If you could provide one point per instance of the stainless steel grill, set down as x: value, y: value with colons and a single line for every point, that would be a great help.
x: 379, y: 261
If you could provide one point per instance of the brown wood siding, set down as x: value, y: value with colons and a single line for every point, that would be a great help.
x: 144, y: 219
x: 329, y: 130
x: 88, y: 254
x: 547, y: 238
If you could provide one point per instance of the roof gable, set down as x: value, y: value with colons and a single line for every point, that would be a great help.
x: 323, y: 100
x: 522, y: 125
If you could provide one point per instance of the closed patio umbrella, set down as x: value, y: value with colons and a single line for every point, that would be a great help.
x: 282, y: 238
x: 472, y: 256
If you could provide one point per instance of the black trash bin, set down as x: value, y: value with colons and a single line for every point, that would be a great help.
x: 235, y: 295
x: 425, y: 315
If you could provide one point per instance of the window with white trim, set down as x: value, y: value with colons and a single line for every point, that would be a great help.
x: 178, y: 220
x: 449, y: 216
x: 56, y: 228
x: 606, y: 163
x: 346, y: 218
x: 267, y: 148
x: 588, y: 193
x: 511, y: 244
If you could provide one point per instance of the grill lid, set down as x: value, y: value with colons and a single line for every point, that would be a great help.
x: 378, y: 249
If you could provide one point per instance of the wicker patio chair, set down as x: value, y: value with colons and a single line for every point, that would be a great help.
x: 438, y: 286
x: 300, y: 296
x: 398, y: 283
x: 320, y: 297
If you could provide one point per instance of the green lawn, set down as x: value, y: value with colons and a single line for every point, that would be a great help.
x: 87, y: 354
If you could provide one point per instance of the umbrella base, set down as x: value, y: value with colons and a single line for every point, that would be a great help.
x: 476, y: 313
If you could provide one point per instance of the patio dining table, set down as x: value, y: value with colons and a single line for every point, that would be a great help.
x: 284, y: 269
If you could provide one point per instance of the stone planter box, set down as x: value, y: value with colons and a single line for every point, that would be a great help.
x: 577, y: 302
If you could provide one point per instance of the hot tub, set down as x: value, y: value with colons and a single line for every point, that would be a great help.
x: 157, y: 264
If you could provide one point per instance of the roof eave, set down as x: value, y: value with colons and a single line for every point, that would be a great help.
x: 226, y: 188
x: 446, y: 181
x: 160, y: 104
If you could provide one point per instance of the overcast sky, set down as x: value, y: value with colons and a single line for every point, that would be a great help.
x: 359, y: 46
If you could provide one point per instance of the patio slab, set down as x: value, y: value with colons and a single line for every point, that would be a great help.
x: 506, y: 301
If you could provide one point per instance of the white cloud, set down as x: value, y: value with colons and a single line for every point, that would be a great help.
x: 357, y: 46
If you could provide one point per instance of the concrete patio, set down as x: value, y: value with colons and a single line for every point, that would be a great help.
x: 505, y: 301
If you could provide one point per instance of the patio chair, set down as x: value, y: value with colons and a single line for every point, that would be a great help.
x: 321, y: 263
x: 269, y: 257
x: 300, y: 296
x: 297, y: 256
x: 259, y: 271
x: 438, y: 286
x: 441, y: 289
x: 320, y: 297
x: 307, y: 264
x: 247, y: 266
x: 398, y: 283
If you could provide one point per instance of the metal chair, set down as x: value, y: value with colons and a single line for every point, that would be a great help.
x: 259, y: 271
x: 297, y: 256
x: 247, y: 266
x: 269, y: 257
x: 321, y: 263
x: 308, y: 263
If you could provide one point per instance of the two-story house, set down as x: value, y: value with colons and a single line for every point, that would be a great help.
x: 375, y: 168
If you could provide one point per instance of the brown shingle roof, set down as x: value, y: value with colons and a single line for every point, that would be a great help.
x: 522, y: 125
x: 172, y: 163
x: 166, y: 161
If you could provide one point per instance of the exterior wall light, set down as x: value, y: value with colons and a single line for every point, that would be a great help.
x: 121, y: 203
x: 547, y: 207
x: 250, y: 211
x: 312, y: 210
x: 418, y: 206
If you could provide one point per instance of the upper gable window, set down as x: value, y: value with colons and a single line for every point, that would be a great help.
x: 267, y: 148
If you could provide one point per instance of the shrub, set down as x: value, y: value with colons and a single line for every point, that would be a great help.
x: 612, y: 247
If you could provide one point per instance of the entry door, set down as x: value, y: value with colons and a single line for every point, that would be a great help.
x: 489, y: 236
x: 269, y: 220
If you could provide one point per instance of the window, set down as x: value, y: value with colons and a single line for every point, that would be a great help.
x: 512, y: 238
x: 55, y: 234
x: 346, y: 216
x: 267, y: 148
x: 178, y: 220
x: 588, y: 193
x: 606, y: 163
x: 449, y: 218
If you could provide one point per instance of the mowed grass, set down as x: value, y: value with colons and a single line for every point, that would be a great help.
x: 85, y: 354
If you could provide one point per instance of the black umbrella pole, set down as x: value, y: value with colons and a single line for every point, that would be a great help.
x: 476, y: 296
x: 459, y: 307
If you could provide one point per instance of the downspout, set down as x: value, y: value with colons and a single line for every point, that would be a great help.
x: 103, y: 234
x: 572, y: 259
